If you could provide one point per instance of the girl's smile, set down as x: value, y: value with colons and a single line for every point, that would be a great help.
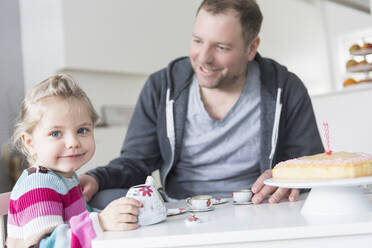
x: 63, y: 140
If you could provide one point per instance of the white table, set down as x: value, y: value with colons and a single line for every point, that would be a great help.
x: 264, y: 225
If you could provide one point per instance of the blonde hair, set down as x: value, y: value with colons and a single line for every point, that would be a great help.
x: 60, y: 85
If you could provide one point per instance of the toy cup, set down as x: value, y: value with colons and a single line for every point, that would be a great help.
x: 200, y: 202
x: 242, y: 196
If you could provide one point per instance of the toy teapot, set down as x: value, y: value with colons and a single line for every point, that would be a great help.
x: 154, y: 209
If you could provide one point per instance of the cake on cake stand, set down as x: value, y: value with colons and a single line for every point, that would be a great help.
x: 330, y: 197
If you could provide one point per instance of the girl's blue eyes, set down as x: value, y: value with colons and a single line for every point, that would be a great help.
x: 59, y: 133
x: 56, y: 134
x: 83, y: 130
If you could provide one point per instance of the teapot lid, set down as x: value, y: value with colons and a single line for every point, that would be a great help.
x: 150, y: 181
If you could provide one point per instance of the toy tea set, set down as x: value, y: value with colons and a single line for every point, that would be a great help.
x: 154, y: 210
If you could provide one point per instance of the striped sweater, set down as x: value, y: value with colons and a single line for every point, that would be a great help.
x: 48, y: 210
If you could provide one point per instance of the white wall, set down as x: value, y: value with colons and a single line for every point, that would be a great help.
x: 108, y: 145
x: 139, y: 37
x: 293, y: 33
x: 348, y: 114
x: 127, y: 36
x: 107, y: 88
x: 11, y: 78
x: 114, y: 65
x: 139, y: 49
x: 42, y: 39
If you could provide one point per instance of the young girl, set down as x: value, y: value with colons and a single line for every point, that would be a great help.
x: 46, y: 208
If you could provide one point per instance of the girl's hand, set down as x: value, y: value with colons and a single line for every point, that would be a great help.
x: 120, y: 215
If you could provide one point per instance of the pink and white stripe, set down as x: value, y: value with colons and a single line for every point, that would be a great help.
x: 37, y: 206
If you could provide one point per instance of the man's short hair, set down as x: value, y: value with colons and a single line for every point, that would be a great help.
x: 249, y: 14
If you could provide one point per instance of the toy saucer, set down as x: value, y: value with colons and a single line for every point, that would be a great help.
x: 192, y: 220
x: 202, y: 210
x: 242, y: 203
x: 217, y: 201
x: 176, y: 211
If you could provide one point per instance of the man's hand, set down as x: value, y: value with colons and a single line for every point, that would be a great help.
x: 89, y: 186
x: 260, y: 191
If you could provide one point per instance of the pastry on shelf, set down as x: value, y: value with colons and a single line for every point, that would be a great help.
x: 363, y: 62
x: 351, y: 63
x: 367, y: 45
x: 363, y: 50
x: 349, y: 81
x: 362, y: 66
x: 368, y: 80
x: 354, y: 47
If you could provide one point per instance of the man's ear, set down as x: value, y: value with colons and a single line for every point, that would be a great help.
x: 252, y: 48
x: 27, y: 141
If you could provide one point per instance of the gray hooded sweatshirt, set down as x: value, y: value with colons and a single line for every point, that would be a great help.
x: 155, y: 133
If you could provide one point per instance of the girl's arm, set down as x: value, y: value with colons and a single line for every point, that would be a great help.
x: 50, y: 213
x: 79, y: 232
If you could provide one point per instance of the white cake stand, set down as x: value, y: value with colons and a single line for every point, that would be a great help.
x: 331, y: 197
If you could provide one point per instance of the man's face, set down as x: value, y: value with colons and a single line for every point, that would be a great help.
x: 218, y: 53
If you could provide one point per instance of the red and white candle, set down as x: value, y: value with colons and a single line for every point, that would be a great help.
x: 326, y: 138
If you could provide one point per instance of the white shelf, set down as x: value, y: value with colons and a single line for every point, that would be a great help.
x: 346, y: 90
x: 362, y: 52
x: 360, y: 68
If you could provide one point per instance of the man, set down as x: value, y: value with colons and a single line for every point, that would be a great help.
x: 218, y: 120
